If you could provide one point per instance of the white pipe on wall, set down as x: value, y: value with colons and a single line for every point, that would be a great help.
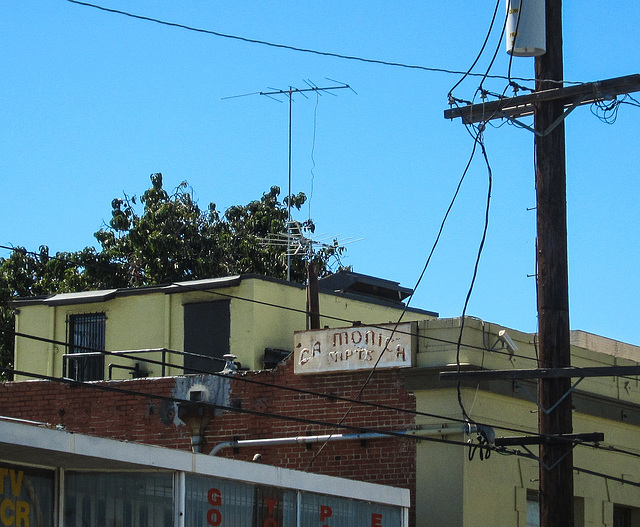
x: 441, y: 430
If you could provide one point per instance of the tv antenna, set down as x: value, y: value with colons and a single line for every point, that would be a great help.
x: 297, y: 244
x: 289, y: 93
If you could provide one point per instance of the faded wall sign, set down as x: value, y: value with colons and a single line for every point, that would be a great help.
x: 353, y: 348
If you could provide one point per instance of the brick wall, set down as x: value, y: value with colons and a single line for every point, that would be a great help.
x: 90, y: 410
x: 119, y: 412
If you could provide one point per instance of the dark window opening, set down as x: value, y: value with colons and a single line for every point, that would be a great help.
x: 207, y: 330
x: 622, y: 516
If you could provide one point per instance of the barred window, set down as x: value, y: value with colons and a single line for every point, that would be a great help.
x: 87, y: 334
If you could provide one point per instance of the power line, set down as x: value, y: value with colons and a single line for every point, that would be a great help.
x: 471, y: 446
x: 226, y: 295
x: 294, y: 48
x: 611, y: 448
x: 294, y: 390
x: 291, y: 389
x: 271, y: 415
x: 351, y: 322
x: 458, y: 344
x: 529, y: 455
x: 484, y: 44
x: 606, y: 476
x: 301, y: 391
x: 478, y: 140
x: 185, y: 286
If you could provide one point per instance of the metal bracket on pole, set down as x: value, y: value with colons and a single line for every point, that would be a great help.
x: 553, y: 125
x: 540, y: 407
x: 543, y: 464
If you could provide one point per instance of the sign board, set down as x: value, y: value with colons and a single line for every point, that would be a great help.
x: 353, y: 348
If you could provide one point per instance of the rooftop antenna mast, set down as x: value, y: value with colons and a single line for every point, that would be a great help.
x: 296, y: 244
x: 273, y: 94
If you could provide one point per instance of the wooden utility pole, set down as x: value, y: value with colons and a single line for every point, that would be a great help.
x: 550, y: 104
x: 556, y: 467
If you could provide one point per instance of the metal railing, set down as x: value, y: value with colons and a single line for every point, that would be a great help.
x: 72, y: 362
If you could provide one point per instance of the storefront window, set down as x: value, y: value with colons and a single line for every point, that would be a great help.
x: 26, y: 497
x: 118, y: 500
x: 318, y: 509
x: 218, y: 502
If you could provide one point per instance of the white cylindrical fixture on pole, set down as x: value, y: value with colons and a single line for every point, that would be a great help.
x: 526, y: 35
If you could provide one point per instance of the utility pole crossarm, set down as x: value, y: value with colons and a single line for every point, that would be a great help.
x: 539, y: 373
x: 523, y: 105
x: 592, y: 437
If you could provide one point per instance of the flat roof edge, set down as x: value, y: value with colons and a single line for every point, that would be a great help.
x: 97, y: 296
x: 86, y: 452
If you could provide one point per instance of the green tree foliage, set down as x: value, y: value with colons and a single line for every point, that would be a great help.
x: 170, y: 239
x: 25, y: 274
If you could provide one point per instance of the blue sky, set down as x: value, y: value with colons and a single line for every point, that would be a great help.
x: 94, y: 102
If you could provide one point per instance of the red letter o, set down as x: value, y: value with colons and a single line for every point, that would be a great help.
x: 214, y: 517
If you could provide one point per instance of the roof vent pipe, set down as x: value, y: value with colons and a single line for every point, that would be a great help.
x: 526, y: 31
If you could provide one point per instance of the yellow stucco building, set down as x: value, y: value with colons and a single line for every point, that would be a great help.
x: 256, y: 318
x: 455, y: 490
x: 252, y: 317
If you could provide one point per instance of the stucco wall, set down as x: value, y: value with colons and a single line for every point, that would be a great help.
x: 264, y: 314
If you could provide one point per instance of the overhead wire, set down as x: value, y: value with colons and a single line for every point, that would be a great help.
x: 284, y: 417
x: 529, y: 455
x: 520, y: 9
x: 420, y: 278
x: 238, y: 376
x: 634, y: 102
x: 483, y: 446
x: 242, y: 379
x: 479, y: 55
x: 229, y: 36
x: 472, y: 447
x: 609, y: 114
x: 303, y: 420
x: 477, y: 136
x: 186, y: 287
x: 486, y: 75
x: 607, y: 110
x: 308, y: 392
x: 296, y: 48
x: 479, y: 141
x: 495, y: 55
